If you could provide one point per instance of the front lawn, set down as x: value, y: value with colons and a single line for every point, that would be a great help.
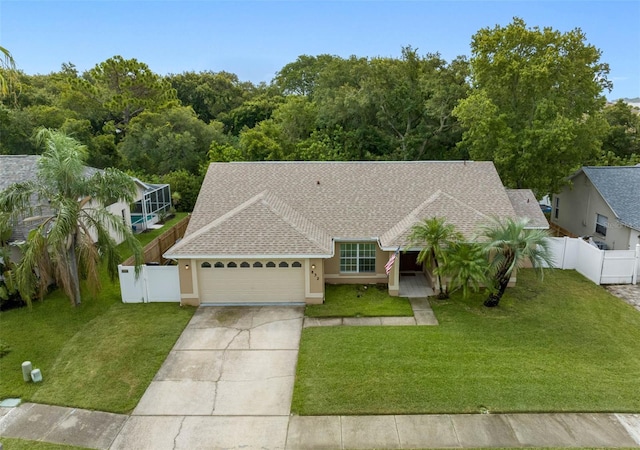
x: 359, y: 300
x: 100, y: 355
x: 563, y: 344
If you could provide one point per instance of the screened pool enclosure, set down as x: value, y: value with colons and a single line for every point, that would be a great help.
x: 152, y: 208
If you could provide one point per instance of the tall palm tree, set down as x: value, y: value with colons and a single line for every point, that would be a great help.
x: 433, y: 235
x: 62, y: 245
x: 509, y: 245
x: 466, y: 266
x: 7, y: 71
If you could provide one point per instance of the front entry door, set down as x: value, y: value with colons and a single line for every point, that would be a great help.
x: 408, y: 262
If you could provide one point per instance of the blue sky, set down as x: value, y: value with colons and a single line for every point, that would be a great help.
x: 254, y: 39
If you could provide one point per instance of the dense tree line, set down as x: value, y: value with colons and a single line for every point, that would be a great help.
x: 529, y: 99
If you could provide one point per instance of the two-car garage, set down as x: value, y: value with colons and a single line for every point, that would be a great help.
x: 251, y: 281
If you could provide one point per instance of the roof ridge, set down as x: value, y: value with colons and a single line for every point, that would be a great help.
x: 407, y: 220
x: 411, y: 218
x: 467, y: 206
x: 296, y: 219
x: 187, y: 239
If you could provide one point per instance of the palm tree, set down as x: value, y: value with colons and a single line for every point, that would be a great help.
x: 8, y: 66
x: 433, y: 235
x: 466, y: 266
x: 509, y: 245
x: 61, y: 247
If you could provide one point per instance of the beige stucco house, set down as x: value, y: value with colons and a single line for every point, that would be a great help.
x: 601, y: 202
x: 278, y: 231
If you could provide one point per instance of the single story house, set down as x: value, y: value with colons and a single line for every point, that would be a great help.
x: 278, y: 231
x: 152, y: 199
x: 601, y: 202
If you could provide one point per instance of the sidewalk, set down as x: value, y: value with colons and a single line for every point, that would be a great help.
x: 94, y: 429
x: 70, y: 426
x: 228, y: 381
x: 464, y: 430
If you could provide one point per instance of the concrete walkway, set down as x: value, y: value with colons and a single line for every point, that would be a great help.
x: 414, y: 284
x: 93, y: 429
x: 464, y: 430
x: 228, y: 383
x: 629, y: 293
x: 70, y: 426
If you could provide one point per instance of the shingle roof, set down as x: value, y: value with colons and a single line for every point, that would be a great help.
x: 281, y: 231
x: 525, y: 205
x: 620, y: 188
x: 17, y: 169
x: 277, y: 208
x: 20, y: 168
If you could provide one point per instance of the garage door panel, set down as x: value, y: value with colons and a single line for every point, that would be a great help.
x: 251, y: 285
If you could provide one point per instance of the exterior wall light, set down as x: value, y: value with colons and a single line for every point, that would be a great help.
x: 186, y: 266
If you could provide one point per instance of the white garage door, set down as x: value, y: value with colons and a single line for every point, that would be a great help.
x: 251, y: 281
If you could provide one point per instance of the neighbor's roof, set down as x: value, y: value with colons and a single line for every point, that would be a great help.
x: 298, y: 208
x: 620, y: 188
x: 525, y: 205
x: 17, y: 169
x: 20, y: 168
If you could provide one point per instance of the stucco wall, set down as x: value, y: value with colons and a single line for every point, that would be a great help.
x: 122, y: 211
x: 188, y: 295
x: 332, y: 273
x: 579, y: 206
x: 314, y: 281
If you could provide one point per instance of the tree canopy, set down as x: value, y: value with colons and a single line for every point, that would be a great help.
x: 529, y: 99
x: 535, y: 107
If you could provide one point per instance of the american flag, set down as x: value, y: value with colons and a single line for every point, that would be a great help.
x: 389, y: 264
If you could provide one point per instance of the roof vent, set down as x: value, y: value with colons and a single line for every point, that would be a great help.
x: 318, y: 182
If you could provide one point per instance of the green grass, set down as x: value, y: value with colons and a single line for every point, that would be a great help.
x: 22, y: 444
x: 357, y: 300
x: 100, y: 355
x: 149, y: 235
x: 563, y: 344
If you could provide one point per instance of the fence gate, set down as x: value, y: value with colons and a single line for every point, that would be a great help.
x: 600, y: 266
x: 154, y: 284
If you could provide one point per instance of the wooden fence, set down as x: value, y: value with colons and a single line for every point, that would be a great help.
x: 153, y: 250
x: 557, y: 231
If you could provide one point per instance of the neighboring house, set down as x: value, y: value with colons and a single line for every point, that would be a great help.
x: 22, y: 168
x: 153, y: 202
x: 278, y: 231
x: 601, y: 202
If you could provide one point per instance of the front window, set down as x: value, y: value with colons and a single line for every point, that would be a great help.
x: 601, y: 224
x: 358, y: 257
x: 556, y: 210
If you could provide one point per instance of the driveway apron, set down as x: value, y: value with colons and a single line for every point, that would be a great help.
x: 227, y: 383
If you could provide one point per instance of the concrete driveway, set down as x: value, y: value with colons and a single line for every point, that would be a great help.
x: 227, y: 383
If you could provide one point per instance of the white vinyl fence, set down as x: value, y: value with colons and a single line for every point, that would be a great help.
x: 154, y: 284
x: 600, y: 266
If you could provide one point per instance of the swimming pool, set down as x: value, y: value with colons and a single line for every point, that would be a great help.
x: 138, y: 218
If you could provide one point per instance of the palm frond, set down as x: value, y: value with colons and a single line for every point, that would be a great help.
x: 111, y: 185
x: 62, y: 245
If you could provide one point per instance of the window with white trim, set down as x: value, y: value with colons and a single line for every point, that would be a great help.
x: 601, y: 224
x: 358, y: 257
x: 556, y: 209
